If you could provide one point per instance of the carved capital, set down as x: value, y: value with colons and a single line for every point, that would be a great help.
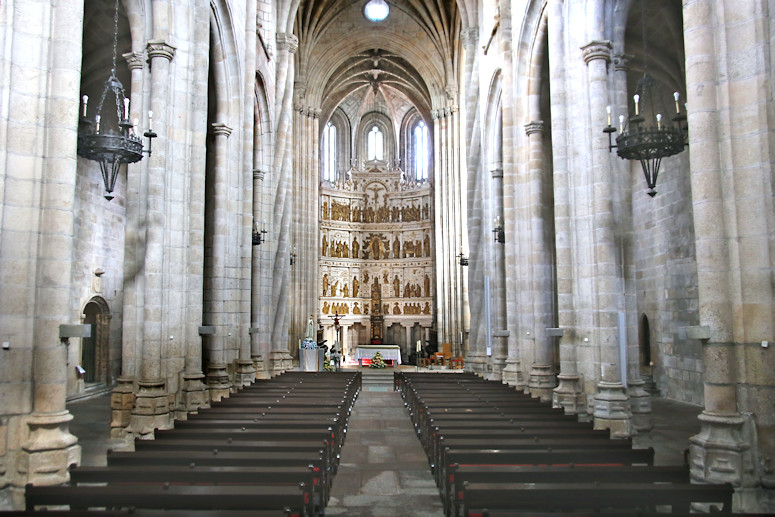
x: 287, y: 42
x: 258, y: 174
x: 134, y: 60
x: 496, y: 172
x: 596, y: 50
x: 219, y: 128
x: 158, y: 48
x: 437, y: 114
x: 622, y: 62
x: 470, y: 37
x: 535, y: 126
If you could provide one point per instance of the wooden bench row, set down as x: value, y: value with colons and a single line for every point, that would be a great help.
x: 273, y: 447
x: 494, y: 452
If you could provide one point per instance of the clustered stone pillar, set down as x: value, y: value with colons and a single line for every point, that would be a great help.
x: 257, y: 353
x: 612, y: 410
x: 717, y: 451
x: 500, y: 334
x: 279, y: 358
x: 304, y: 274
x: 151, y: 409
x: 47, y: 447
x: 218, y: 383
x: 542, y: 378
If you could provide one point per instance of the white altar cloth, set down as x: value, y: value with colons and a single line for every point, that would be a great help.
x: 389, y: 352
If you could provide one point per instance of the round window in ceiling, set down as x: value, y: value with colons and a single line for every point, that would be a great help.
x: 376, y: 10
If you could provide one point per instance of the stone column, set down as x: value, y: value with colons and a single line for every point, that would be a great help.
x: 640, y: 400
x: 256, y: 299
x: 718, y: 451
x: 500, y: 334
x: 472, y: 204
x: 612, y: 410
x: 279, y: 358
x: 568, y: 394
x: 47, y: 447
x: 218, y: 384
x: 151, y: 410
x: 122, y: 398
x: 542, y: 376
x: 304, y: 274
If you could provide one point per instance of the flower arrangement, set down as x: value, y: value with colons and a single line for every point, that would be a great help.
x: 377, y: 361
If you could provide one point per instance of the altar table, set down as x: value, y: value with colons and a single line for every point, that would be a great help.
x: 388, y: 352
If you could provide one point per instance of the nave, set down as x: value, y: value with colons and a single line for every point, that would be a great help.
x: 383, y: 470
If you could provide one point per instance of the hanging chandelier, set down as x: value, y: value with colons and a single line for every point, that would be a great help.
x: 110, y: 138
x: 648, y: 136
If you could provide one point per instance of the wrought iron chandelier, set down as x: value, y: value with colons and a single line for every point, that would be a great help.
x: 647, y: 136
x: 111, y: 140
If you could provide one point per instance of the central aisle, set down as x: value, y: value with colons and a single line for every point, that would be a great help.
x: 383, y: 470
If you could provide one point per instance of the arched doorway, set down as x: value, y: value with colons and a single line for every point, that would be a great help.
x: 94, y: 350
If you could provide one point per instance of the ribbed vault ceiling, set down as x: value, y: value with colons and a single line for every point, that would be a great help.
x: 411, y: 55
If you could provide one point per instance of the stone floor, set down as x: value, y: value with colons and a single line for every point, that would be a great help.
x: 383, y: 470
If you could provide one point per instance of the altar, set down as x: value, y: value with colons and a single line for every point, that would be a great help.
x: 388, y: 352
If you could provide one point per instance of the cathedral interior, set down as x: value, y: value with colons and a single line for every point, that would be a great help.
x: 573, y: 198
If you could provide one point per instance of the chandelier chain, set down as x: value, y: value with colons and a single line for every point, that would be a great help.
x: 115, y: 35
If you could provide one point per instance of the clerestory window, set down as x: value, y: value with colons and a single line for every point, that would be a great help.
x: 329, y: 150
x: 421, y: 151
x: 376, y: 144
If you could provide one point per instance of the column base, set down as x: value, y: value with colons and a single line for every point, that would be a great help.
x: 542, y: 382
x: 246, y: 373
x: 49, y: 450
x: 640, y: 405
x: 512, y: 374
x: 476, y: 364
x: 151, y: 411
x: 495, y: 370
x: 218, y: 384
x: 569, y: 395
x: 612, y: 410
x: 280, y: 361
x: 194, y: 395
x: 718, y: 453
x: 259, y: 367
x: 122, y: 400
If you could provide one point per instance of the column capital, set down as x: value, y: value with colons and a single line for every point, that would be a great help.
x: 134, y: 60
x: 258, y: 174
x: 596, y: 49
x: 287, y: 42
x: 496, y: 172
x: 622, y: 62
x: 534, y: 126
x: 219, y: 128
x: 158, y: 48
x: 470, y: 36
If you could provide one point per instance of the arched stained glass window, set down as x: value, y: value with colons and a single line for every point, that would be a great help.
x: 376, y: 144
x: 421, y: 151
x: 329, y: 150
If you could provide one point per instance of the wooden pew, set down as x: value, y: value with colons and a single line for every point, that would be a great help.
x: 518, y: 497
x: 457, y: 475
x: 274, y: 475
x: 172, y: 497
x: 517, y: 444
x: 525, y: 457
x: 286, y: 512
